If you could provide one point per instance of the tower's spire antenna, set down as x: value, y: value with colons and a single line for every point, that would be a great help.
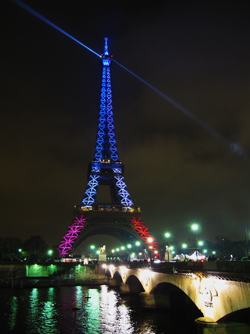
x: 106, y: 52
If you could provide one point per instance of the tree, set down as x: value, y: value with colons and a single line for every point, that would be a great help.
x: 36, y: 248
x: 9, y: 247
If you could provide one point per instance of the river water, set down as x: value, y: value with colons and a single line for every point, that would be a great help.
x: 51, y: 310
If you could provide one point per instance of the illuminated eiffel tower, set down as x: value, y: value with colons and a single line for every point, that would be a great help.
x: 119, y: 218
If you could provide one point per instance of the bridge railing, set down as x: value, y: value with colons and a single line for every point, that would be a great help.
x: 242, y: 267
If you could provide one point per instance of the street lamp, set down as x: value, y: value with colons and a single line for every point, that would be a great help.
x: 195, y: 228
x: 150, y: 240
x: 167, y: 235
x: 129, y: 247
x: 92, y: 247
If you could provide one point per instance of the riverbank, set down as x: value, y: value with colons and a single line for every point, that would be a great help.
x: 21, y: 275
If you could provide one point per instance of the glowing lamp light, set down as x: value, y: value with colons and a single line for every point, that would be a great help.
x: 150, y: 240
x: 20, y: 250
x: 195, y: 227
x: 98, y: 252
x: 137, y: 243
x: 122, y: 248
x: 200, y: 243
x: 184, y: 245
x: 92, y: 246
x: 113, y: 251
x: 117, y: 249
x: 129, y: 246
x: 50, y: 252
x: 167, y: 234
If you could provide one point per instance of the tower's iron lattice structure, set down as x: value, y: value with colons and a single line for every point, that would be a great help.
x: 120, y: 218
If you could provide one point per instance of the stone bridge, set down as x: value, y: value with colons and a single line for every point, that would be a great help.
x: 215, y: 294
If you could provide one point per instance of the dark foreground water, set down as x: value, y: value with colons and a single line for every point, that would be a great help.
x: 50, y: 310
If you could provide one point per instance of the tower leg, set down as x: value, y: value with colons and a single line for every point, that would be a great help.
x: 70, y: 236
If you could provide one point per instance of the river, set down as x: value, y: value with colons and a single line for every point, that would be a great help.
x: 51, y: 310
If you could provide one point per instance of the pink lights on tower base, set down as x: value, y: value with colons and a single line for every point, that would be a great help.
x: 71, y: 235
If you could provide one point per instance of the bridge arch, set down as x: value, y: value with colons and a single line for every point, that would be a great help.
x: 117, y: 277
x: 134, y: 284
x: 237, y: 316
x: 171, y: 296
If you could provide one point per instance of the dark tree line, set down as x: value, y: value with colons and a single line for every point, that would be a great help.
x: 31, y: 250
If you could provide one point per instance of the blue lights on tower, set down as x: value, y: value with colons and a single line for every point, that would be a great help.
x: 123, y: 192
x: 106, y: 147
x: 91, y: 191
x: 106, y: 168
x: 106, y: 52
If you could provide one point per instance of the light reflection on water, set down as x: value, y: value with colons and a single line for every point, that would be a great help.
x: 50, y: 310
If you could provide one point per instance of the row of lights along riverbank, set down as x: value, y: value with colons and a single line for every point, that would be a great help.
x: 138, y: 251
x: 170, y: 253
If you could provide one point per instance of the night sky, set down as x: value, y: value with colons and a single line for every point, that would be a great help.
x: 197, y: 53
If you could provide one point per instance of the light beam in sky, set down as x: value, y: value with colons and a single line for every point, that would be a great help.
x: 235, y: 148
x: 30, y: 10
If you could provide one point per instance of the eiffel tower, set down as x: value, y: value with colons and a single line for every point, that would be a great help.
x: 119, y: 218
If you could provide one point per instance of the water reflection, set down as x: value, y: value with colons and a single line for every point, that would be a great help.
x: 33, y: 310
x: 48, y: 322
x: 13, y: 312
x: 115, y: 316
x: 93, y: 311
x: 51, y: 310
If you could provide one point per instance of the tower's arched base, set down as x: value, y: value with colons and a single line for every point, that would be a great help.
x: 125, y: 226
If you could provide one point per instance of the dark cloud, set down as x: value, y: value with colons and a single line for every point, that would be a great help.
x: 196, y: 53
